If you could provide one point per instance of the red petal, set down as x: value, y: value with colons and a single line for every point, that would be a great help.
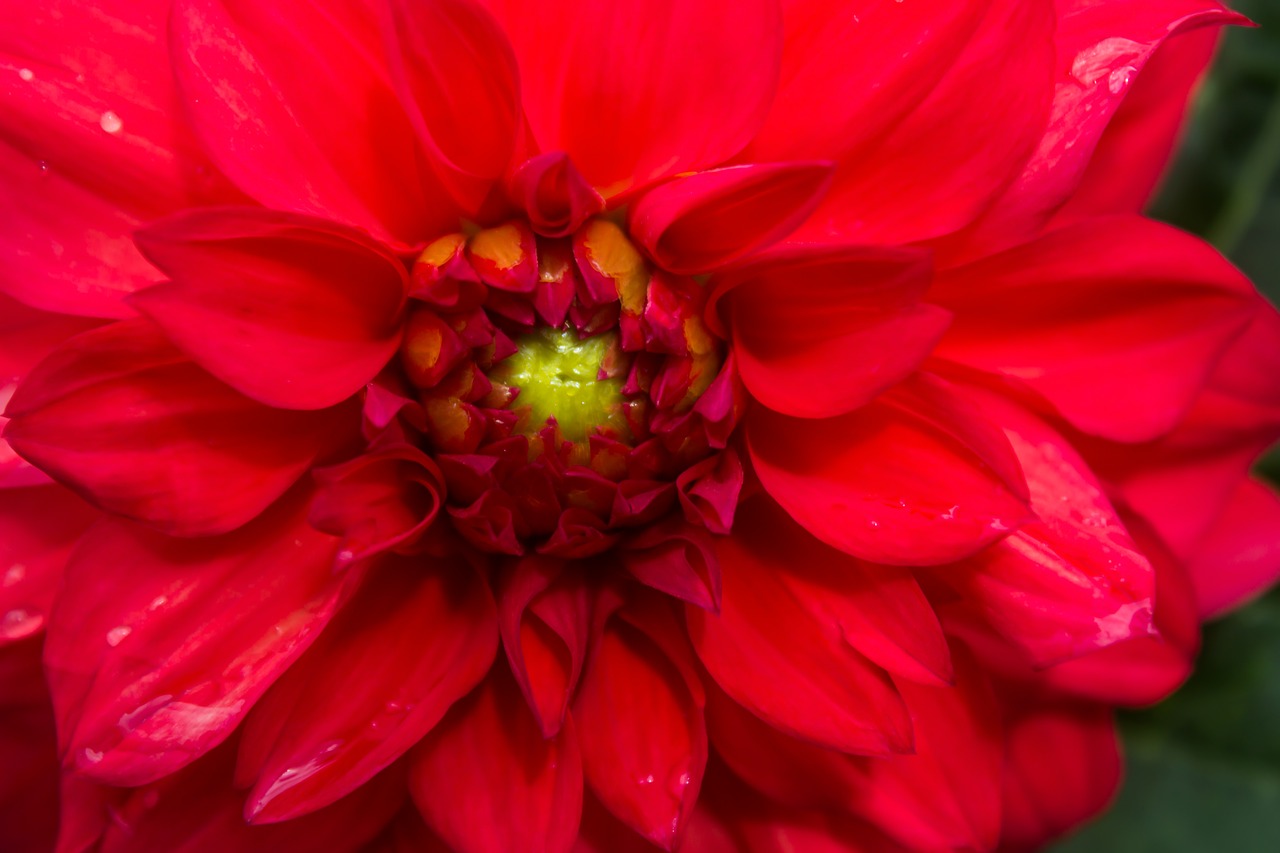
x: 1072, y: 582
x: 879, y: 610
x: 544, y: 614
x: 1134, y: 151
x: 1101, y: 48
x: 990, y: 106
x: 29, y: 808
x: 126, y: 420
x: 93, y: 145
x: 555, y: 196
x: 38, y: 528
x: 158, y: 647
x: 853, y: 70
x: 1117, y: 322
x: 915, y: 477
x: 487, y: 782
x: 773, y: 657
x: 641, y: 90
x: 947, y: 795
x: 294, y: 312
x: 698, y: 223
x: 1062, y: 766
x: 383, y: 500
x: 1240, y: 555
x: 458, y: 81
x: 819, y: 331
x: 296, y: 105
x: 363, y: 696
x: 678, y: 559
x: 198, y: 810
x: 641, y: 730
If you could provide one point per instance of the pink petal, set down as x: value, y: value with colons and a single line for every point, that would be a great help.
x: 363, y: 696
x: 990, y: 108
x: 1062, y: 766
x: 642, y: 90
x: 878, y: 610
x: 487, y: 782
x: 915, y: 477
x: 1101, y: 48
x: 1240, y: 555
x: 284, y: 99
x: 769, y: 652
x: 1072, y: 582
x: 157, y: 647
x: 1116, y: 322
x: 851, y: 71
x: 457, y: 79
x: 819, y: 331
x: 544, y: 613
x: 38, y: 528
x: 641, y: 730
x: 293, y: 312
x: 122, y: 417
x: 93, y: 145
x: 698, y: 223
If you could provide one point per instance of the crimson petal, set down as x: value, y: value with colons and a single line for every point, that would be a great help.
x: 157, y: 647
x: 291, y: 311
x: 125, y: 419
x: 362, y: 696
x: 915, y: 477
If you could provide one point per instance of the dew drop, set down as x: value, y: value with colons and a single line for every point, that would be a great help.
x: 158, y: 602
x: 1119, y: 79
x: 26, y: 75
x: 20, y: 622
x: 44, y: 168
x: 110, y: 122
x: 92, y: 756
x: 645, y: 780
x: 116, y: 635
x: 14, y: 574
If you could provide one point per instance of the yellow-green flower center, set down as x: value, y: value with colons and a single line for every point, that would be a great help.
x: 558, y: 375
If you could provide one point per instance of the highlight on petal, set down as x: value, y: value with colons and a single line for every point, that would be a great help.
x: 640, y: 725
x: 1072, y: 581
x: 641, y: 90
x: 1117, y: 322
x: 286, y: 98
x: 363, y: 696
x: 486, y: 780
x: 157, y: 647
x: 820, y: 330
x: 916, y: 477
x: 123, y: 418
x: 773, y: 656
x: 292, y: 311
x: 704, y: 221
x: 457, y: 79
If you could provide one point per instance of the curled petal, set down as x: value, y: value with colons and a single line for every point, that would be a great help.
x: 554, y: 194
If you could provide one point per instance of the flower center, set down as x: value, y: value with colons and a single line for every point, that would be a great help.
x: 562, y: 378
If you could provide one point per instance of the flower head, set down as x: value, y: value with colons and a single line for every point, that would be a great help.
x: 577, y: 424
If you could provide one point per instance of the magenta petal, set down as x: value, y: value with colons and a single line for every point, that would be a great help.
x: 127, y: 421
x: 294, y: 312
x: 158, y: 647
x: 916, y: 477
x: 698, y: 223
x: 362, y: 696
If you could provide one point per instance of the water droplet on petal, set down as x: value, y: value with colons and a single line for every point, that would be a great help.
x: 116, y: 635
x: 26, y: 75
x: 20, y: 622
x: 92, y: 756
x: 1119, y: 79
x: 14, y: 574
x: 110, y: 122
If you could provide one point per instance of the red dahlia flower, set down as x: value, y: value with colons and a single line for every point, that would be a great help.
x: 578, y: 425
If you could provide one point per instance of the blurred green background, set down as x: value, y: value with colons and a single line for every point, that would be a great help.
x: 1203, y: 769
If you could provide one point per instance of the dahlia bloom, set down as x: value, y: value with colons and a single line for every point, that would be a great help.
x: 488, y: 426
